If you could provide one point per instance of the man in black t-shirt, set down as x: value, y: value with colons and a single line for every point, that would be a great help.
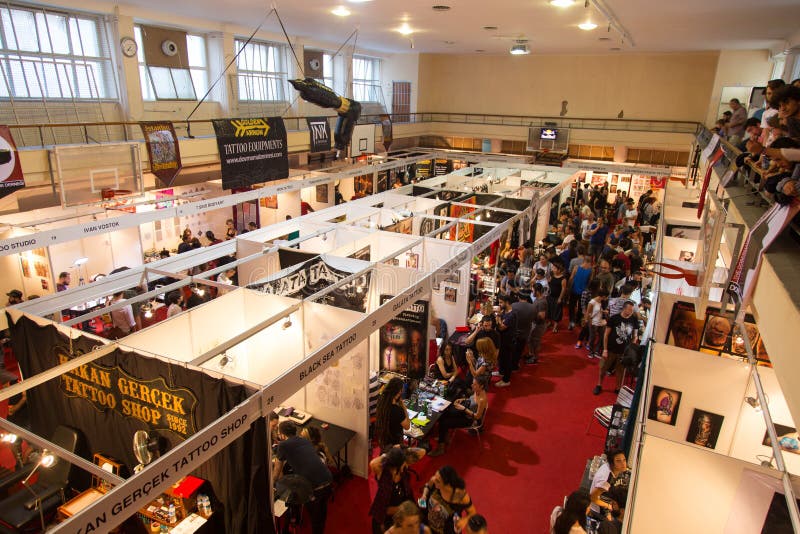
x: 302, y: 457
x: 484, y: 329
x: 621, y: 330
x: 507, y: 326
x: 539, y: 324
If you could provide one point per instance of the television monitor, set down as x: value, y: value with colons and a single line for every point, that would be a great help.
x: 549, y: 134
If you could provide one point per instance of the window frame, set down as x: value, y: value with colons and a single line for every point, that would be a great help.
x: 198, y: 74
x: 256, y: 76
x: 367, y: 86
x: 46, y: 61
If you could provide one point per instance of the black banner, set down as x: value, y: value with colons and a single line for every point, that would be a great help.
x: 251, y: 151
x: 319, y: 133
x: 442, y: 167
x: 163, y: 150
x: 287, y: 257
x: 108, y: 400
x: 312, y: 276
x: 11, y: 177
x: 404, y: 340
x: 386, y: 128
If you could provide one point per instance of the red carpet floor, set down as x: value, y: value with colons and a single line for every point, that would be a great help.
x: 533, y: 451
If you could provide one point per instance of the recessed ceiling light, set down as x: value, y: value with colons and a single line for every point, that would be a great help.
x: 519, y: 49
x: 490, y: 28
x: 341, y: 11
x: 604, y: 39
x: 441, y: 8
x: 615, y: 49
x: 562, y: 3
x: 405, y: 29
x: 587, y: 26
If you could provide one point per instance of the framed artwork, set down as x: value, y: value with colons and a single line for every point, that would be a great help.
x: 624, y: 179
x: 614, y: 178
x: 322, y: 193
x: 270, y: 202
x: 612, y: 188
x: 664, y: 404
x: 685, y: 330
x: 454, y: 277
x: 412, y: 261
x: 704, y: 429
x: 450, y: 294
x: 394, y: 262
x: 26, y: 267
x: 45, y: 284
x: 716, y: 333
x: 787, y: 439
x: 686, y: 255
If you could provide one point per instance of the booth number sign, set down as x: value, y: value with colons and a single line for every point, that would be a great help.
x: 151, y: 401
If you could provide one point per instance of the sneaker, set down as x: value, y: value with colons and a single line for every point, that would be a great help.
x: 597, y: 390
x: 578, y: 345
x: 502, y: 384
x: 571, y: 326
x: 496, y: 373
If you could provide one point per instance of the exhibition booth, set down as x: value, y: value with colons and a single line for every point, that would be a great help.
x: 337, y: 302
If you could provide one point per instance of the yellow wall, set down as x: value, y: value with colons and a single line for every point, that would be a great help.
x: 646, y: 86
x: 748, y: 68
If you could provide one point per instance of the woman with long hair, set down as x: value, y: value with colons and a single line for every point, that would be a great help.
x: 571, y: 518
x: 446, y: 498
x: 408, y: 520
x: 394, y: 487
x: 463, y: 413
x: 391, y: 418
x: 445, y: 368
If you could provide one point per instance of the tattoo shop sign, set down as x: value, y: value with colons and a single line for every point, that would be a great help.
x: 152, y: 402
x: 251, y: 151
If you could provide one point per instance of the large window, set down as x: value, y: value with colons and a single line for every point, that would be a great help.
x: 367, y: 79
x: 261, y: 69
x: 162, y: 83
x: 54, y: 55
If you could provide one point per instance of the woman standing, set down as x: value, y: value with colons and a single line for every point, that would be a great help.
x: 408, y: 520
x: 394, y: 487
x: 447, y: 500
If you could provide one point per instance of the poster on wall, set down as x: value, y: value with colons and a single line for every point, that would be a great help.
x: 319, y: 132
x: 424, y: 169
x: 705, y: 428
x: 403, y: 340
x: 383, y: 181
x: 304, y: 279
x: 322, y: 193
x: 251, y: 151
x: 664, y: 405
x: 11, y: 177
x: 788, y: 439
x: 162, y: 149
x: 463, y: 232
x: 362, y: 186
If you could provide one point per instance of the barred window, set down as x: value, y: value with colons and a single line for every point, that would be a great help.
x: 55, y: 55
x: 261, y: 71
x: 367, y: 79
x: 163, y: 83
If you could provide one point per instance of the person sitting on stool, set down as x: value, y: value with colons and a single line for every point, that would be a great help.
x: 302, y: 457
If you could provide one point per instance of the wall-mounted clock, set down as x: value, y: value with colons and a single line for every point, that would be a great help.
x: 128, y: 46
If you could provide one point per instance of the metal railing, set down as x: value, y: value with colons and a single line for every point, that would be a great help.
x: 129, y: 130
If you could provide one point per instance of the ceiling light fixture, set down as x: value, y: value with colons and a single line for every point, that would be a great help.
x: 587, y: 26
x: 341, y: 11
x: 490, y: 28
x: 405, y: 29
x: 519, y: 49
x: 561, y: 3
x: 441, y: 8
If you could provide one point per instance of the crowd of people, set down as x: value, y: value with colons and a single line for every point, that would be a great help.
x: 769, y: 139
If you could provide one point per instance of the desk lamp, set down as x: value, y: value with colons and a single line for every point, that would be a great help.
x: 46, y: 460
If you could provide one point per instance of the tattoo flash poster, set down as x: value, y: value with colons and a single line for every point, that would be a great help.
x: 163, y: 150
x: 251, y: 151
x: 404, y: 340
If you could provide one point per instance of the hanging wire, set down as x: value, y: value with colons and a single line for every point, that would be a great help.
x: 221, y: 74
x: 289, y: 41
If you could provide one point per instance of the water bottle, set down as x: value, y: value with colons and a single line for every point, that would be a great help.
x: 173, y: 518
x: 207, y: 505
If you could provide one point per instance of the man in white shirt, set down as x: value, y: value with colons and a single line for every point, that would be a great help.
x: 630, y: 213
x: 122, y: 320
x: 610, y: 485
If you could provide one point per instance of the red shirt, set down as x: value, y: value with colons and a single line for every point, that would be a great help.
x: 305, y: 207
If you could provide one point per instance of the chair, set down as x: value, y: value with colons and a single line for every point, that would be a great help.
x: 40, y: 499
x: 603, y: 413
x: 477, y: 428
x: 431, y: 369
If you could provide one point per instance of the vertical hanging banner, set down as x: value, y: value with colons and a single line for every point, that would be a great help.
x: 251, y: 151
x: 11, y: 177
x: 386, y: 127
x: 162, y: 149
x: 319, y: 133
x: 706, y: 180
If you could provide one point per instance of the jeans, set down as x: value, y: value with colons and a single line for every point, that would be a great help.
x: 535, y: 340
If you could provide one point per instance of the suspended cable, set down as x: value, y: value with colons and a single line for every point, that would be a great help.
x: 289, y: 42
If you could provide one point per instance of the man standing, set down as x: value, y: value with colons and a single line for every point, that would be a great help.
x: 604, y: 275
x: 621, y: 330
x: 507, y: 326
x: 735, y: 127
x: 302, y: 457
x: 485, y: 329
x: 524, y: 310
x: 539, y: 324
x: 122, y: 319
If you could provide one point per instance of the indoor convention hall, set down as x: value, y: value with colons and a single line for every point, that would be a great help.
x: 370, y: 267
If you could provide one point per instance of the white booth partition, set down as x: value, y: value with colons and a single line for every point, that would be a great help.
x: 450, y: 297
x: 188, y: 335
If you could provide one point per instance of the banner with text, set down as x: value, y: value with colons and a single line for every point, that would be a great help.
x: 319, y: 132
x: 252, y: 151
x: 404, y: 340
x: 163, y: 150
x: 11, y: 177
